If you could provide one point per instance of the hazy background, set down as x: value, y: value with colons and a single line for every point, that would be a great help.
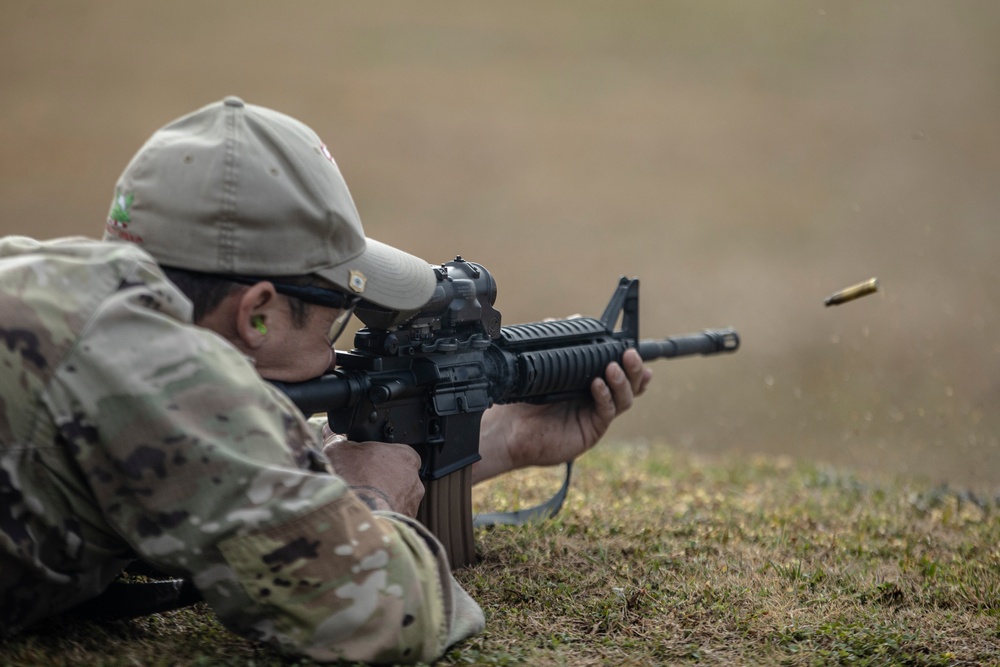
x: 743, y: 159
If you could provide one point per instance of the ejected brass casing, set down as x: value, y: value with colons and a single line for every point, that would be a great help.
x: 853, y: 292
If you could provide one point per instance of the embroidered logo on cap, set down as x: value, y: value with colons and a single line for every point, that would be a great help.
x: 357, y: 281
x: 120, y: 216
x: 326, y: 153
x: 120, y: 209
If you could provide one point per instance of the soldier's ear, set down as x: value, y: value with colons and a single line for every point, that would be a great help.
x: 255, y: 310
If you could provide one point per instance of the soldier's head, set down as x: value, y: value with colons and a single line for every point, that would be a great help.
x: 247, y: 210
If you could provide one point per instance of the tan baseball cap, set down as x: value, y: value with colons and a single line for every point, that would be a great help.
x: 235, y: 188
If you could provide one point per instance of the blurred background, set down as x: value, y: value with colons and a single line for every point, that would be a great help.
x: 743, y: 160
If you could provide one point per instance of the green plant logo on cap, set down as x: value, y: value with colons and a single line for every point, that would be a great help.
x: 119, y: 217
x: 120, y: 208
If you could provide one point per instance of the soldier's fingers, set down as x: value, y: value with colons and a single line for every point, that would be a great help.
x: 621, y: 387
x: 605, y: 408
x: 638, y: 375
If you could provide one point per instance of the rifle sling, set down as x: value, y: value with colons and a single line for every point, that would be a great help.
x: 123, y: 600
x: 545, y: 510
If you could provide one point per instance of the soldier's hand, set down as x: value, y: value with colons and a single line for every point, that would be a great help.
x: 523, y: 434
x: 383, y: 475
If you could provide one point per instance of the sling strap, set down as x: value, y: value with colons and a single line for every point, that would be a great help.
x: 545, y: 510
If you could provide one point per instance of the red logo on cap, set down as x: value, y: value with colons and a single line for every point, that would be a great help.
x: 326, y: 153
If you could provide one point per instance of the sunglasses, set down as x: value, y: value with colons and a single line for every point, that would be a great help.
x: 317, y: 296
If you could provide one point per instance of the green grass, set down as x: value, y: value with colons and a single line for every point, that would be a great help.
x: 662, y: 558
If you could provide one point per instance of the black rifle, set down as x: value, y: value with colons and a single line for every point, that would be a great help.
x: 424, y: 379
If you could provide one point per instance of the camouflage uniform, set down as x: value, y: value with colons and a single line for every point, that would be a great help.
x: 127, y: 431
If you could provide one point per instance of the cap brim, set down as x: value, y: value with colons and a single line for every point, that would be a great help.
x: 385, y: 276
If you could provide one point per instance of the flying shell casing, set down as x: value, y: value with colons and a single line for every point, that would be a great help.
x: 853, y: 292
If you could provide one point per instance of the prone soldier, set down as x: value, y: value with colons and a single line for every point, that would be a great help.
x: 137, y: 422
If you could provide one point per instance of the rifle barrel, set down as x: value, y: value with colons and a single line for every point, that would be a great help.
x: 710, y: 341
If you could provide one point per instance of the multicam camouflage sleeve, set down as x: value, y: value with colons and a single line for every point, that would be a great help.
x: 137, y: 432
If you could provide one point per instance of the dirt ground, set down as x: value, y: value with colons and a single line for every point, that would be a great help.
x: 744, y: 160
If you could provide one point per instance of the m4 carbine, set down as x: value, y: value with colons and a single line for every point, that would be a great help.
x: 425, y: 379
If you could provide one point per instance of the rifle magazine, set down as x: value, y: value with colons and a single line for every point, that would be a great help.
x: 446, y: 510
